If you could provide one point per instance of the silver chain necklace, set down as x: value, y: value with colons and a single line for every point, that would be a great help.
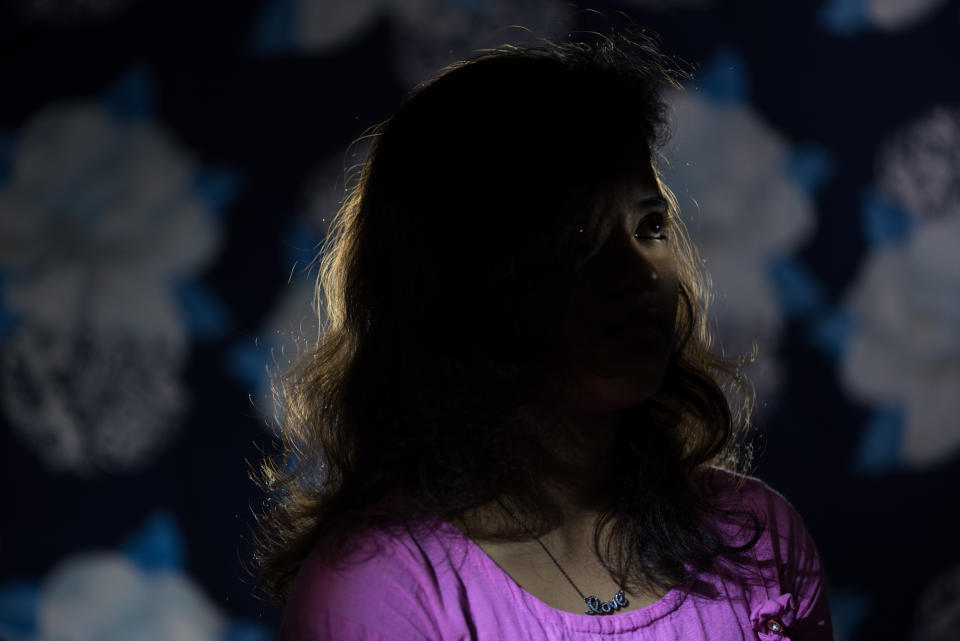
x: 594, y: 605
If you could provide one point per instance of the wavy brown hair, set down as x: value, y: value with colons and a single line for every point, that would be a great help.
x: 430, y: 361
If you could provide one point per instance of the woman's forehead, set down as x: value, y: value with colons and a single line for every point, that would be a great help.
x: 626, y: 176
x: 636, y: 190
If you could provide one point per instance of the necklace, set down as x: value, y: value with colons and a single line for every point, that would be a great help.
x: 594, y: 605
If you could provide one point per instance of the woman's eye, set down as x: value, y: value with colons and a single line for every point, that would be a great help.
x: 652, y: 226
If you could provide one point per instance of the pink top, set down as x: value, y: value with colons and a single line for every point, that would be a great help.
x: 438, y: 585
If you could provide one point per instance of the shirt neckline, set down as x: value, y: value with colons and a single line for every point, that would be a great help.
x: 611, y: 623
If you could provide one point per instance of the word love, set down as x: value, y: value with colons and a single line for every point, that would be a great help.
x: 617, y: 602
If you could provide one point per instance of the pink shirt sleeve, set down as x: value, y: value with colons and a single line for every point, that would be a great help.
x: 804, y: 572
x: 792, y: 560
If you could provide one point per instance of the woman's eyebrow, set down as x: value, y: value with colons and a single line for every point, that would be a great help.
x: 652, y: 202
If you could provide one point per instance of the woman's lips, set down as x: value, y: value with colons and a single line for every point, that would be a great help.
x: 640, y: 320
x: 643, y: 326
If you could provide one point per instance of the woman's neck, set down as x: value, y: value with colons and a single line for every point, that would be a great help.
x: 573, y: 484
x: 579, y: 448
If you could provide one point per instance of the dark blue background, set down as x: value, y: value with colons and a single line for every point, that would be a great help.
x: 265, y: 121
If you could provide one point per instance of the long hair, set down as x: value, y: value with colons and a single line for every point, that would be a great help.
x: 430, y: 356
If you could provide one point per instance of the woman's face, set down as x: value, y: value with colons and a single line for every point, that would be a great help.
x: 613, y: 322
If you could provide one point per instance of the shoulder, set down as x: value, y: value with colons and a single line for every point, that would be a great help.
x: 371, y: 587
x: 784, y: 538
x: 787, y: 559
x: 727, y: 484
x: 732, y: 490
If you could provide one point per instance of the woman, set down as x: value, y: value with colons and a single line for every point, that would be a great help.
x: 512, y: 425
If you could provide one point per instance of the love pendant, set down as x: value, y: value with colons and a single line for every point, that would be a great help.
x: 607, y: 607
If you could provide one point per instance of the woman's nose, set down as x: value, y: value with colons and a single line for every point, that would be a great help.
x: 648, y: 278
x: 631, y: 269
x: 640, y: 280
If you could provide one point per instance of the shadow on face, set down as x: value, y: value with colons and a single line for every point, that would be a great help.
x: 612, y: 321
